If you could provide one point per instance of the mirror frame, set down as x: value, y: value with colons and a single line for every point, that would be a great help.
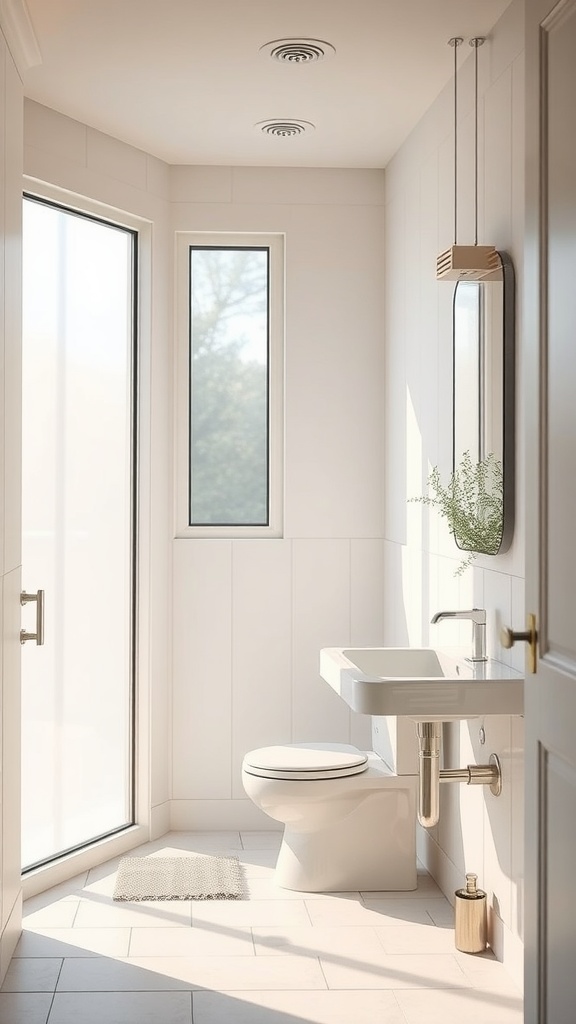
x: 508, y: 365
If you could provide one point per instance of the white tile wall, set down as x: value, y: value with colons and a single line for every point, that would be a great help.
x: 262, y: 644
x: 321, y: 619
x: 202, y: 669
x: 476, y: 831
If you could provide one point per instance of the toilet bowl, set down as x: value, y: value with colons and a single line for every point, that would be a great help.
x: 349, y: 821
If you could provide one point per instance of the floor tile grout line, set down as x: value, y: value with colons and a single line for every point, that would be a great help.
x: 50, y: 1007
x: 305, y: 902
x: 321, y: 966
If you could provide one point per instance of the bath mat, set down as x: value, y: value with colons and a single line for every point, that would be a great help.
x: 196, y: 877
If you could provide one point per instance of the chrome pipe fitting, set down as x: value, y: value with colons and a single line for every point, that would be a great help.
x: 477, y: 775
x: 429, y: 735
x: 430, y: 775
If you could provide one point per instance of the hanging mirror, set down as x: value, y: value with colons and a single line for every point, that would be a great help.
x: 483, y: 405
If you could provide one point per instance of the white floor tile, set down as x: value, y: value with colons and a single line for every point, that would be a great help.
x: 24, y: 1007
x: 398, y: 971
x: 226, y: 973
x: 146, y: 913
x: 426, y: 889
x: 442, y: 913
x: 376, y: 913
x: 104, y: 974
x: 469, y: 1005
x: 266, y: 889
x: 196, y: 941
x: 174, y: 843
x: 37, y: 975
x: 55, y: 915
x: 119, y: 1008
x: 227, y: 914
x: 100, y: 884
x: 258, y: 863
x: 63, y: 942
x: 296, y: 1008
x: 492, y: 982
x: 218, y: 973
x: 261, y: 840
x: 312, y: 941
x: 417, y: 938
x: 479, y: 963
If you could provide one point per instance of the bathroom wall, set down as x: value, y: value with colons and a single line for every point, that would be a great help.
x: 250, y: 616
x: 477, y: 832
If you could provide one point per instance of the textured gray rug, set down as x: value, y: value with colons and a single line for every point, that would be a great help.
x: 196, y: 877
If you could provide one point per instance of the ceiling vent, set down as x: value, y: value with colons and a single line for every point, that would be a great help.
x: 284, y: 128
x: 297, y: 51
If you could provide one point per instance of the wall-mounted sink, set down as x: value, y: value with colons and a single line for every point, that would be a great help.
x: 421, y: 683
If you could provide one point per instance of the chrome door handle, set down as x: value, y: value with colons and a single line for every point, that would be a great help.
x: 38, y: 636
x: 530, y: 636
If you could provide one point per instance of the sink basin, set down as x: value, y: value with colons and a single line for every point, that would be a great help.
x: 421, y: 683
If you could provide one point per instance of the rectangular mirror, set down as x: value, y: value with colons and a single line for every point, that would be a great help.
x: 483, y: 403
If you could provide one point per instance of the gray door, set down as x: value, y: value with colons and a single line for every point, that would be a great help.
x: 550, y: 348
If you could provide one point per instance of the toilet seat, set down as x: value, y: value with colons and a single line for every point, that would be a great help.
x: 305, y: 761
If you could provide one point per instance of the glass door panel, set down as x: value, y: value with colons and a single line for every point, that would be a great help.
x: 78, y: 528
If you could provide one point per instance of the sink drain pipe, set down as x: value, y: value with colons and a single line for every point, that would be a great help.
x: 430, y: 775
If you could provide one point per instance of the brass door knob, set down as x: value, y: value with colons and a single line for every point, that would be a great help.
x: 508, y: 637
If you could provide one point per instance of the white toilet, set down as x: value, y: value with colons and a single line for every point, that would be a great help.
x: 350, y: 822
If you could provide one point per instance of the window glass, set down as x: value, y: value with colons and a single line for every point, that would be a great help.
x: 229, y: 289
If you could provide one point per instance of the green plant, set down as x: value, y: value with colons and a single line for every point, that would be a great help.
x: 472, y: 503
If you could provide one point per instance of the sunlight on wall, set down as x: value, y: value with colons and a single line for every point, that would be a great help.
x: 428, y: 581
x: 414, y: 558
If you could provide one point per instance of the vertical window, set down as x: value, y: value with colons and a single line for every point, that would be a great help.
x: 230, y: 356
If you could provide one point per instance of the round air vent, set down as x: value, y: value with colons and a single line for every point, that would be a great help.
x: 284, y: 128
x: 297, y: 51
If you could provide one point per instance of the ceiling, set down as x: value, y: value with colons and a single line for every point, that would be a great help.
x: 186, y: 80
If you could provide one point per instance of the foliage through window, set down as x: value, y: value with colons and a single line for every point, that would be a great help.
x: 229, y: 386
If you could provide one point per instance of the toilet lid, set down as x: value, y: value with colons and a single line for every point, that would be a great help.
x: 301, y: 761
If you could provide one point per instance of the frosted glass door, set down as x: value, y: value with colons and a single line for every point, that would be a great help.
x: 77, y: 529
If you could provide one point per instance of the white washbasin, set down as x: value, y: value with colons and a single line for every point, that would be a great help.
x: 421, y: 683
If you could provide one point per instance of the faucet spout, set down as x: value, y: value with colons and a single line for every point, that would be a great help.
x: 478, y: 618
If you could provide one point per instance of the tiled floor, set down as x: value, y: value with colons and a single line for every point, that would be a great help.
x: 276, y: 957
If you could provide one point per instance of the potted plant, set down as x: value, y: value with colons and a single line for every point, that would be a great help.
x: 472, y: 503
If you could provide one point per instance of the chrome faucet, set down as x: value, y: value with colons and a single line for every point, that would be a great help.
x: 478, y: 617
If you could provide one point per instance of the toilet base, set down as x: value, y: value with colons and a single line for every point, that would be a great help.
x: 372, y: 849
